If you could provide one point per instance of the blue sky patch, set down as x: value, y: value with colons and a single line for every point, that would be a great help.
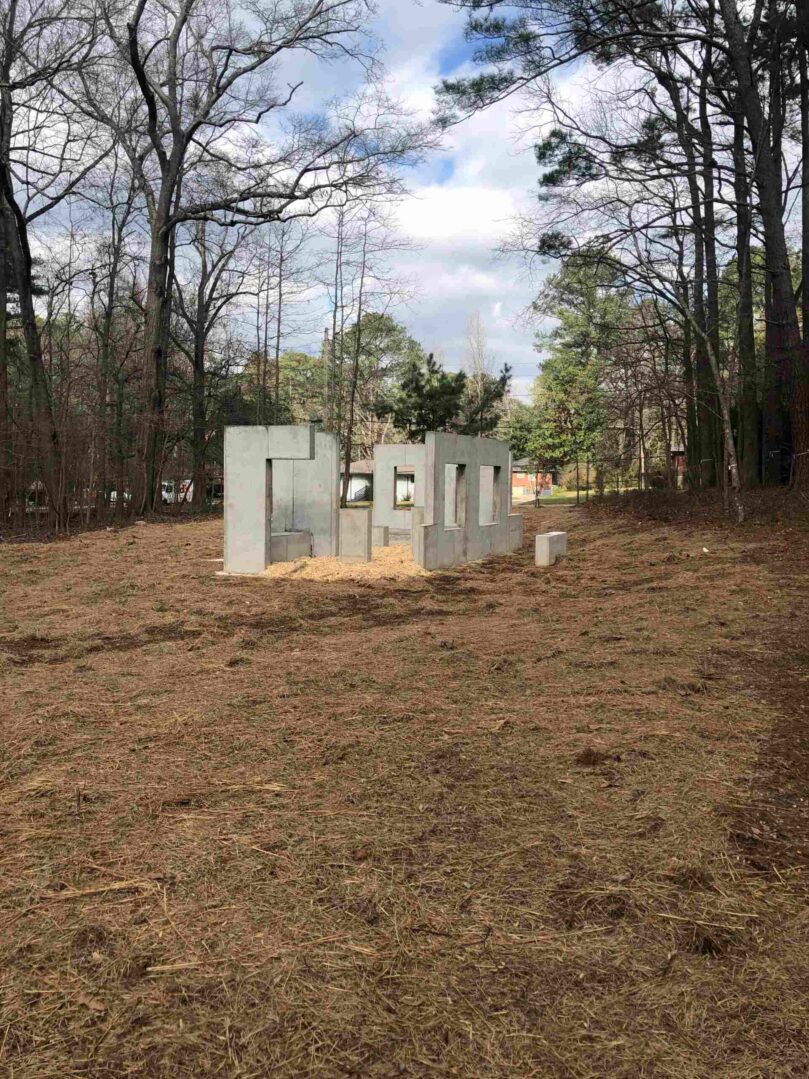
x: 444, y: 169
x: 453, y: 55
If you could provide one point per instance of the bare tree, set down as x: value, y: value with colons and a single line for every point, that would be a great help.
x: 218, y: 277
x: 191, y: 151
x: 363, y: 284
x: 284, y: 272
x: 46, y: 152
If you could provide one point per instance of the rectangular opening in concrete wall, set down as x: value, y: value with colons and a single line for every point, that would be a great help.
x: 454, y: 496
x: 404, y: 488
x: 486, y: 509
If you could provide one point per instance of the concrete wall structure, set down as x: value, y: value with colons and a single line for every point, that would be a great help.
x: 465, y: 514
x: 278, y: 480
x: 355, y: 535
x: 387, y: 459
x: 282, y: 501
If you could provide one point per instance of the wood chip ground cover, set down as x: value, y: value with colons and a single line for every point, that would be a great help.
x: 495, y: 821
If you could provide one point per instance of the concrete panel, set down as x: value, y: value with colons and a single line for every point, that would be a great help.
x: 549, y: 548
x: 277, y: 479
x: 452, y: 532
x: 287, y: 546
x: 355, y: 535
x: 387, y: 459
x: 247, y: 525
x: 380, y: 535
x: 306, y: 495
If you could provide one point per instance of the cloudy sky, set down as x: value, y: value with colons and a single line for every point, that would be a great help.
x: 462, y: 200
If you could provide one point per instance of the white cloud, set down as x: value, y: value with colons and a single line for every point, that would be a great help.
x: 437, y: 215
x: 463, y: 199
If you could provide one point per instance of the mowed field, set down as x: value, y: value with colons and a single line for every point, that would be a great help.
x: 495, y: 821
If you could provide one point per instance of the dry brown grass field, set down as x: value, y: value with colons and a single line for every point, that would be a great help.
x: 492, y: 822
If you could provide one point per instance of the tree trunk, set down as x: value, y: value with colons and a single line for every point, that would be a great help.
x: 332, y: 387
x: 198, y: 418
x: 790, y: 359
x: 121, y: 508
x: 6, y: 448
x: 749, y: 445
x: 355, y: 370
x: 774, y: 435
x: 641, y: 449
x: 46, y: 436
x: 729, y: 444
x: 105, y: 369
x: 710, y: 441
x: 276, y: 408
x: 146, y: 493
x: 803, y: 52
x: 704, y: 449
x: 692, y: 454
x: 264, y: 354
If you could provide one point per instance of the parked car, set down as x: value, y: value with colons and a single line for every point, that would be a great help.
x: 214, y: 491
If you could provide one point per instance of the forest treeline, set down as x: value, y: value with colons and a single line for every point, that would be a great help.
x: 673, y: 171
x: 170, y: 197
x: 171, y: 200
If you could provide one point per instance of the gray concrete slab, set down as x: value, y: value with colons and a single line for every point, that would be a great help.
x: 305, y: 495
x: 355, y: 535
x: 380, y: 535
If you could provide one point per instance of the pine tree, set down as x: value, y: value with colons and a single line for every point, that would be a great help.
x: 427, y: 399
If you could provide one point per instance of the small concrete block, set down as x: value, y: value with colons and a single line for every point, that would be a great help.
x: 287, y: 546
x: 515, y: 525
x: 355, y: 535
x: 550, y: 546
x: 380, y: 535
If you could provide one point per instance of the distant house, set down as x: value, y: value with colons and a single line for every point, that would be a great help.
x: 361, y: 483
x: 527, y: 483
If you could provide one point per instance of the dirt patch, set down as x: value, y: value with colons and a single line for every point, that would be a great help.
x: 772, y: 829
x: 484, y: 822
